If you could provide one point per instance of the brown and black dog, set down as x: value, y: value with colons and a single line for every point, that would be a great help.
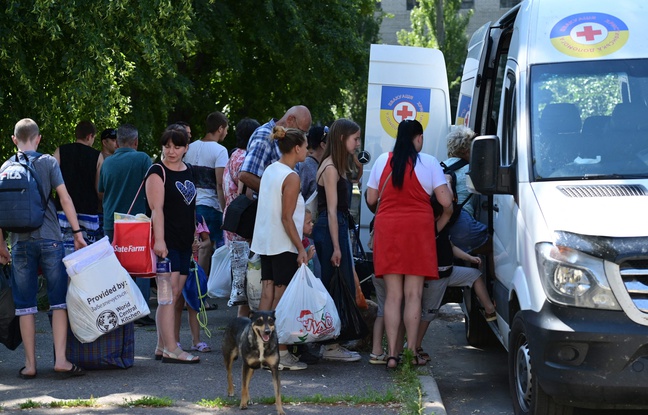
x: 255, y: 340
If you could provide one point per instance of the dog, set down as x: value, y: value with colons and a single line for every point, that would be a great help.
x: 255, y: 340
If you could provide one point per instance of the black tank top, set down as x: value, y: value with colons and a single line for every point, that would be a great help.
x: 445, y: 257
x: 79, y: 169
x: 342, y: 194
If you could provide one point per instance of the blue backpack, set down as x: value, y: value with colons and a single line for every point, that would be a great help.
x: 22, y: 200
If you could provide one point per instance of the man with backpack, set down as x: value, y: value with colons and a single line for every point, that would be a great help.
x: 41, y: 246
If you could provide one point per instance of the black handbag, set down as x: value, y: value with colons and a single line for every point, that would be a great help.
x: 240, y: 216
x: 353, y: 326
x: 9, y: 325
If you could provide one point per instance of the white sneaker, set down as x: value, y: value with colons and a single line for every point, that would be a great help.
x: 290, y: 362
x: 339, y: 353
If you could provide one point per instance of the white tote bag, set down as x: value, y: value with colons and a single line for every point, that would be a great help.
x: 101, y: 295
x: 306, y: 312
x: 219, y: 284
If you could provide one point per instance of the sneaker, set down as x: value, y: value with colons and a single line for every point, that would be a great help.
x: 145, y: 321
x: 339, y: 353
x: 302, y: 351
x: 290, y: 362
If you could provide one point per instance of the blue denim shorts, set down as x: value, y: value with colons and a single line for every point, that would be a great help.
x: 467, y: 233
x: 27, y: 257
x: 214, y: 220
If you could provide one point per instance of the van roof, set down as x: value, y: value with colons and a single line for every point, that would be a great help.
x: 559, y: 30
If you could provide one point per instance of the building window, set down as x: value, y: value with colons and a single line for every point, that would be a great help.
x: 410, y: 4
x: 507, y: 4
x: 467, y: 4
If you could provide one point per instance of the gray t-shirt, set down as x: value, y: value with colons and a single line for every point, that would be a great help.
x: 50, y: 178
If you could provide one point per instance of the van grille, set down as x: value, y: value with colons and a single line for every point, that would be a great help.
x: 604, y: 190
x: 634, y: 274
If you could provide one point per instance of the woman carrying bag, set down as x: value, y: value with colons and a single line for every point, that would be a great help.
x: 279, y: 225
x: 404, y: 242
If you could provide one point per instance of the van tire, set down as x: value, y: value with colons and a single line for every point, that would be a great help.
x: 478, y: 332
x: 526, y: 393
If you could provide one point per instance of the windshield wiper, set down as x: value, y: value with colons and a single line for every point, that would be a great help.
x: 614, y: 176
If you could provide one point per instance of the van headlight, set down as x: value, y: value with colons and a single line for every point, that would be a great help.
x: 572, y: 278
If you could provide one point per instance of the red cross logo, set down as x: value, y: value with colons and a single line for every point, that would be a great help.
x: 404, y: 113
x: 589, y: 33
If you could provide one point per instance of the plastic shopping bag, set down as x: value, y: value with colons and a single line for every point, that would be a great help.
x: 195, y: 288
x: 306, y: 312
x: 253, y: 282
x: 353, y: 325
x: 219, y: 284
x: 101, y: 295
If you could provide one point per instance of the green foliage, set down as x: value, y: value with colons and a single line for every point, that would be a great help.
x: 450, y: 37
x: 149, y: 401
x: 152, y: 62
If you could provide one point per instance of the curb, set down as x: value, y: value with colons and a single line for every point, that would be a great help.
x: 432, y: 403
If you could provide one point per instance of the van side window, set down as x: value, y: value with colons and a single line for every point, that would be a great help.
x: 509, y: 130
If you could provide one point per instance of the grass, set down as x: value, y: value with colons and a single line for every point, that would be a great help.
x: 149, y: 401
x: 74, y: 403
x: 30, y: 405
x: 408, y: 386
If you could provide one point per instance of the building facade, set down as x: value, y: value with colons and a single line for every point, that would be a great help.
x: 484, y: 11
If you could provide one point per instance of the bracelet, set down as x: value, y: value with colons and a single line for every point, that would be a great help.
x: 77, y: 231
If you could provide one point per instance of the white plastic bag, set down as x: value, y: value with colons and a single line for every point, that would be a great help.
x: 101, y: 296
x: 253, y: 282
x: 306, y: 312
x: 219, y: 284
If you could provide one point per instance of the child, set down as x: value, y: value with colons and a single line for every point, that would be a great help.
x: 201, y: 239
x: 42, y: 248
x: 313, y: 261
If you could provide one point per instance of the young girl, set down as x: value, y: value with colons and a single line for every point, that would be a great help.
x: 313, y: 262
x: 331, y: 233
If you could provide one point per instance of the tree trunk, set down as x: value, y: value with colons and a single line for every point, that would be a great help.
x: 440, y: 29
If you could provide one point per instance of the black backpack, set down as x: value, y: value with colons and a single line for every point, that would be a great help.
x: 22, y: 200
x: 456, y: 206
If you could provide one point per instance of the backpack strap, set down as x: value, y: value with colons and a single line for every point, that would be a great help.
x: 29, y: 166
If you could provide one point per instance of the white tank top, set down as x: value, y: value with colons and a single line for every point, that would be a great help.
x: 270, y: 237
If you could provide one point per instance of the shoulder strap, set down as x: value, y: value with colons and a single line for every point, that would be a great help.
x: 28, y: 165
x: 320, y: 176
x: 382, y: 190
x: 144, y: 181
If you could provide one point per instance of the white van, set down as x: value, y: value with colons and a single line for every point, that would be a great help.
x: 558, y: 92
x: 405, y: 83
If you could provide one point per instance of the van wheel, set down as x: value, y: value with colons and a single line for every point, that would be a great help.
x: 478, y: 332
x: 528, y: 397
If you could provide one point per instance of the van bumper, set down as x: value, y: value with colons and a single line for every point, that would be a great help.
x: 589, y: 358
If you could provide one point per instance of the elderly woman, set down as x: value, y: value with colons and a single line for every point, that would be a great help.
x: 466, y: 232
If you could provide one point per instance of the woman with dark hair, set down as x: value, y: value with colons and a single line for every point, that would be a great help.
x: 331, y: 232
x: 279, y: 225
x: 232, y: 187
x: 404, y: 242
x: 171, y: 196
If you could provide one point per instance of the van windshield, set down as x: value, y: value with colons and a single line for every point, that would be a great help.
x: 589, y: 120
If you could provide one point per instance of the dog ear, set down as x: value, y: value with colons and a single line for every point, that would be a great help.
x: 272, y: 314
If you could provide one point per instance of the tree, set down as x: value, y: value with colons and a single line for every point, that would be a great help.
x: 153, y: 62
x: 439, y: 24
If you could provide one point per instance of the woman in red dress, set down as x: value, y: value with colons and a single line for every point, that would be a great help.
x: 404, y: 238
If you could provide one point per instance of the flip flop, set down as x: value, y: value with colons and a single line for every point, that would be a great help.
x: 73, y: 372
x: 24, y: 375
x: 172, y: 357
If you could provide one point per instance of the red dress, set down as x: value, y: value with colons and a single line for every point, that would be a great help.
x: 404, y: 236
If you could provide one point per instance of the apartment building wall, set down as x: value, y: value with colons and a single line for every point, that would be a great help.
x: 484, y: 11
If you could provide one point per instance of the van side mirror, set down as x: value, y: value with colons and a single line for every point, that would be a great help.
x: 488, y: 177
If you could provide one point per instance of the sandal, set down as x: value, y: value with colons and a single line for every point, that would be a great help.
x: 201, y: 347
x: 158, y: 356
x: 378, y: 359
x: 418, y: 361
x: 74, y: 371
x: 490, y: 316
x: 389, y: 359
x: 422, y: 354
x: 25, y: 375
x: 210, y: 307
x: 174, y: 357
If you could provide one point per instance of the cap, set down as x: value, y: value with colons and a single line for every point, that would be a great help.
x: 109, y: 133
